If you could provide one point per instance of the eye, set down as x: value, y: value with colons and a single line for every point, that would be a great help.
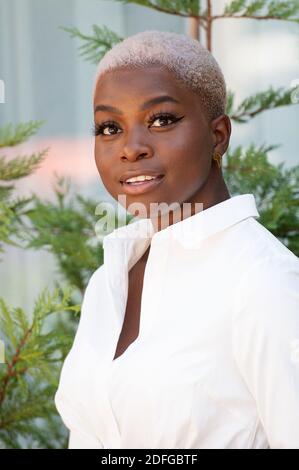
x: 99, y: 129
x: 164, y: 117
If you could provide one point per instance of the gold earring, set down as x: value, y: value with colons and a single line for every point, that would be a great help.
x: 217, y: 156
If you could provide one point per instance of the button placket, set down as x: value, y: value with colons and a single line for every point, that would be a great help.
x: 154, y: 279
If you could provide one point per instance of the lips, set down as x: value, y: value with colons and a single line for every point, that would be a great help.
x: 134, y: 173
x: 141, y: 187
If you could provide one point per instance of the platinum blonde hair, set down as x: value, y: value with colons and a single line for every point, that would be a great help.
x: 190, y: 62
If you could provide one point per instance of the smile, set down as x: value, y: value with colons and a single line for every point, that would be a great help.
x: 140, y: 187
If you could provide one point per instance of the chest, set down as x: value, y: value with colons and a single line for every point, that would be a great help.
x: 130, y: 327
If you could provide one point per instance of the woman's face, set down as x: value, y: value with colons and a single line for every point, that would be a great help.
x: 172, y: 138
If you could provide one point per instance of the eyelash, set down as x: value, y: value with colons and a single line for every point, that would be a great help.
x: 99, y: 128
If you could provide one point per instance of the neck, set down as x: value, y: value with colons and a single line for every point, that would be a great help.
x: 213, y: 192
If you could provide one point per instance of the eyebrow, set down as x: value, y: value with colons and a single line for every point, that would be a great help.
x: 146, y: 104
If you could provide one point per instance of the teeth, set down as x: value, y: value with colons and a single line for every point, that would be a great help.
x: 140, y: 178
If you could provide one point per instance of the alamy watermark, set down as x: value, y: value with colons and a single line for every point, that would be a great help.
x: 166, y: 214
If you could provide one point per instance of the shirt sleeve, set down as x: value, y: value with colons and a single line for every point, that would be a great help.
x: 265, y: 338
x: 80, y: 433
x: 79, y: 436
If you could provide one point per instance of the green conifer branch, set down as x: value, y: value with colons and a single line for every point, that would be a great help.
x: 21, y: 166
x: 66, y: 228
x: 186, y: 8
x: 262, y: 10
x: 274, y: 186
x: 253, y: 9
x: 11, y: 135
x: 33, y: 360
x: 12, y: 209
x: 94, y: 46
x: 257, y: 103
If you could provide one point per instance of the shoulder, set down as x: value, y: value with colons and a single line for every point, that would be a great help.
x: 260, y: 259
x: 268, y: 291
x: 261, y: 242
x: 268, y: 259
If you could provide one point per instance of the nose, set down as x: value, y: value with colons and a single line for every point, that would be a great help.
x: 132, y: 156
x: 135, y: 149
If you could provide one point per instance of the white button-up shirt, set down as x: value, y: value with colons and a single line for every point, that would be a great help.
x: 216, y: 361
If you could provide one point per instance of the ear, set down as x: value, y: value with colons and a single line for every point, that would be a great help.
x: 221, y: 131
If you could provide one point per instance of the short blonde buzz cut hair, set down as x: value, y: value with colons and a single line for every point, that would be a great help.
x: 190, y: 62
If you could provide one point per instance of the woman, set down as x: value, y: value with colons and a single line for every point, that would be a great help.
x: 188, y: 331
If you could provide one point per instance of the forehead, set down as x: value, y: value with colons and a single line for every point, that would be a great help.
x: 139, y: 84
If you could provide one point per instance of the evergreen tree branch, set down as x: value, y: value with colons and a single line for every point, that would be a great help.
x: 18, y: 167
x: 258, y: 103
x: 254, y: 9
x: 11, y: 371
x: 66, y: 228
x: 94, y: 46
x: 13, y: 135
x: 262, y: 10
x: 185, y: 8
x: 275, y: 189
x: 12, y: 209
x: 11, y: 223
x: 34, y: 356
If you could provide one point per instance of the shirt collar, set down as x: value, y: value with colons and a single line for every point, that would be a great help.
x: 192, y: 230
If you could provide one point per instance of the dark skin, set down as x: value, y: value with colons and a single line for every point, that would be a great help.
x: 182, y: 150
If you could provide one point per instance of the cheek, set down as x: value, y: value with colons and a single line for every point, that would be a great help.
x: 98, y: 156
x: 103, y: 164
x: 186, y: 157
